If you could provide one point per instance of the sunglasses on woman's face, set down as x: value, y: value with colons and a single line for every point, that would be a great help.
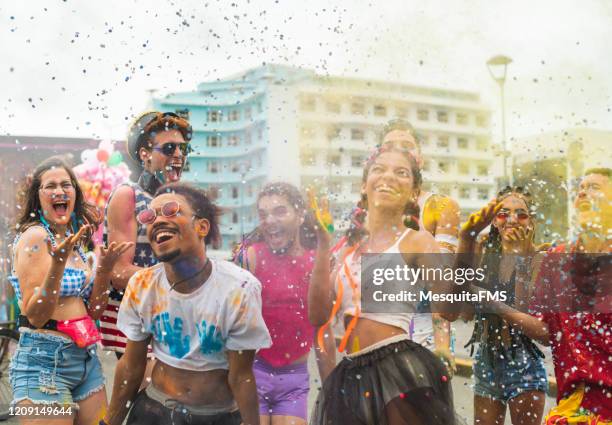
x: 148, y: 216
x: 505, y: 215
x: 168, y: 149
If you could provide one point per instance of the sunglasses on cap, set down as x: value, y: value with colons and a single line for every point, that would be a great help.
x: 168, y: 149
x: 148, y: 216
x: 520, y: 215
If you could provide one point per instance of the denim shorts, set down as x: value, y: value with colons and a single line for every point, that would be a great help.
x: 509, y: 374
x: 51, y: 369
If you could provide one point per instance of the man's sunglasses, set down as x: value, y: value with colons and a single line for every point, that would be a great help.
x: 168, y: 149
x: 148, y: 216
x: 504, y: 215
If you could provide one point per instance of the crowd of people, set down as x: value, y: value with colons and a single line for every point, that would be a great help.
x: 209, y: 341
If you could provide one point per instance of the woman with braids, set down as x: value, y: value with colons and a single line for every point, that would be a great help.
x: 386, y: 379
x: 280, y: 253
x: 439, y: 215
x: 55, y: 370
x: 509, y: 370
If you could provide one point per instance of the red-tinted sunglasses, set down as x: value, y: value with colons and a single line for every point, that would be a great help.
x: 169, y: 209
x: 504, y: 215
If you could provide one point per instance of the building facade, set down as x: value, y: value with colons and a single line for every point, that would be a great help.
x: 282, y: 123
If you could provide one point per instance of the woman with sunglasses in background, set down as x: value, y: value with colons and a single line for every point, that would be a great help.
x: 509, y: 368
x: 55, y: 371
x: 386, y: 379
x: 158, y: 143
x: 280, y: 253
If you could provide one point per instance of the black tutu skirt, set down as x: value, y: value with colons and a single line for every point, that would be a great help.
x: 395, y: 384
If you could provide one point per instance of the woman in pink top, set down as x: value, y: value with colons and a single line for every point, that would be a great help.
x: 280, y: 253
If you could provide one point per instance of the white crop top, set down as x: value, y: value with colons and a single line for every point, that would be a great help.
x: 351, y: 297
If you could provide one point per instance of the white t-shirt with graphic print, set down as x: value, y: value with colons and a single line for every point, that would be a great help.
x: 194, y: 331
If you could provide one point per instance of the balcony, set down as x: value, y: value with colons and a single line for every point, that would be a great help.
x: 227, y: 151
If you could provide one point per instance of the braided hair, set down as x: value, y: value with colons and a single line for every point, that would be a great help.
x: 356, y: 231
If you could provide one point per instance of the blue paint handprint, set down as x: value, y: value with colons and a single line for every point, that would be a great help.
x: 170, y: 335
x: 210, y: 339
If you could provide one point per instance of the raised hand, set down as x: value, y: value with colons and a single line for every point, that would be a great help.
x: 61, y: 252
x: 478, y: 221
x: 109, y: 256
x: 521, y: 240
x: 325, y: 221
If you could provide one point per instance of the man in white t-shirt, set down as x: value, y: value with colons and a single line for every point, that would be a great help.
x: 202, y: 317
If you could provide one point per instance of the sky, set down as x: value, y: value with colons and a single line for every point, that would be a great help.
x: 80, y: 68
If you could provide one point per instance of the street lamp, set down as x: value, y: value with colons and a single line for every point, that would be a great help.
x: 498, y: 66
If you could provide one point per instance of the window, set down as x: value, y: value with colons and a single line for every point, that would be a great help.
x: 482, y: 170
x: 443, y: 166
x: 235, y: 167
x: 401, y: 112
x: 248, y: 113
x: 442, y: 142
x: 233, y: 140
x: 356, y: 161
x: 214, y: 116
x: 212, y: 141
x: 247, y: 137
x: 465, y: 192
x: 259, y: 134
x: 423, y: 141
x: 483, y: 193
x: 422, y: 114
x: 442, y: 116
x: 463, y: 143
x: 464, y: 167
x: 426, y: 166
x: 380, y: 110
x: 333, y: 160
x: 357, y: 108
x: 481, y: 120
x: 308, y: 158
x: 212, y: 193
x: 333, y: 133
x: 183, y: 113
x: 357, y: 134
x: 336, y: 187
x: 234, y: 115
x: 234, y: 192
x: 482, y: 144
x: 213, y: 167
x: 234, y: 217
x: 307, y: 104
x: 444, y: 189
x: 333, y: 107
x: 462, y: 118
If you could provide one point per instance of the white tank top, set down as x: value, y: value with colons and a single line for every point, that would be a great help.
x: 351, y: 297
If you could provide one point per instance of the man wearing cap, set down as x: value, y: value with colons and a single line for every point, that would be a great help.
x: 159, y: 143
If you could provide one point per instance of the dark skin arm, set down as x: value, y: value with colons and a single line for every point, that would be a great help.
x: 242, y: 383
x: 122, y: 227
x: 128, y: 376
x: 321, y: 288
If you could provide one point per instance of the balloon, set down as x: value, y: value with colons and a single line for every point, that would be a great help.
x: 115, y: 159
x: 102, y: 155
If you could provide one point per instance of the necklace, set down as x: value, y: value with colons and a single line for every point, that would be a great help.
x: 193, y: 275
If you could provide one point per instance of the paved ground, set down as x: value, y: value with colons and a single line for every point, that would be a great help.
x: 462, y: 392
